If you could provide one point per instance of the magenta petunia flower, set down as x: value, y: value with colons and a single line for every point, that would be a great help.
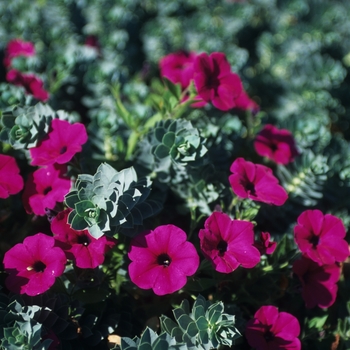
x: 11, y: 181
x: 178, y: 67
x: 87, y: 251
x: 256, y: 182
x: 16, y: 48
x: 319, y: 282
x: 228, y: 243
x: 34, y: 265
x: 276, y: 144
x: 265, y: 245
x: 321, y: 237
x: 32, y: 84
x: 244, y: 102
x: 44, y: 188
x: 215, y: 82
x: 60, y: 145
x: 162, y: 259
x: 273, y: 330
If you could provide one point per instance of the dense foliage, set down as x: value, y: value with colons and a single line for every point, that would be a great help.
x: 108, y: 158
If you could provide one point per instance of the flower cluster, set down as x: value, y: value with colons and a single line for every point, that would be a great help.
x: 32, y: 84
x: 212, y: 77
x: 271, y: 329
x: 321, y: 240
x: 86, y: 251
x: 48, y: 185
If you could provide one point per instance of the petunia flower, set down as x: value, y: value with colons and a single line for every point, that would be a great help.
x: 162, y: 259
x: 178, y: 67
x: 256, y: 182
x: 276, y: 144
x: 63, y: 141
x: 265, y: 245
x: 32, y: 84
x: 228, y: 243
x: 319, y: 282
x: 321, y: 237
x: 16, y: 48
x: 87, y: 251
x: 272, y: 330
x: 44, y: 188
x: 215, y: 82
x: 34, y: 265
x: 11, y: 182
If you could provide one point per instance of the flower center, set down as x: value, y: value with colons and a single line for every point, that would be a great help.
x: 63, y: 149
x: 47, y: 190
x: 250, y: 188
x: 314, y: 240
x: 164, y: 259
x: 222, y: 247
x: 212, y: 82
x: 39, y: 266
x: 84, y: 240
x: 268, y: 335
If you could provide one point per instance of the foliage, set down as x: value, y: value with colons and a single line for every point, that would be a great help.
x: 110, y: 202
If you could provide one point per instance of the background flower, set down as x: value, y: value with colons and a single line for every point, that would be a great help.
x: 318, y: 282
x: 272, y: 330
x: 17, y: 47
x: 256, y: 182
x: 321, y: 237
x: 32, y: 84
x: 178, y: 67
x: 87, y: 251
x: 44, y: 188
x: 33, y: 265
x: 10, y: 180
x: 215, y: 82
x: 62, y: 142
x: 162, y: 259
x: 228, y: 243
x: 276, y: 144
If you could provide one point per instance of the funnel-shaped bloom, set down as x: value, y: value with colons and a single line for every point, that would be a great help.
x: 33, y: 265
x: 87, y: 251
x: 162, y: 259
x: 321, y: 237
x: 11, y: 181
x: 228, y: 243
x: 318, y: 282
x: 276, y: 144
x: 273, y: 330
x: 44, y: 188
x: 60, y: 145
x: 178, y: 67
x: 32, y: 84
x: 256, y: 182
x: 16, y: 48
x: 215, y: 82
